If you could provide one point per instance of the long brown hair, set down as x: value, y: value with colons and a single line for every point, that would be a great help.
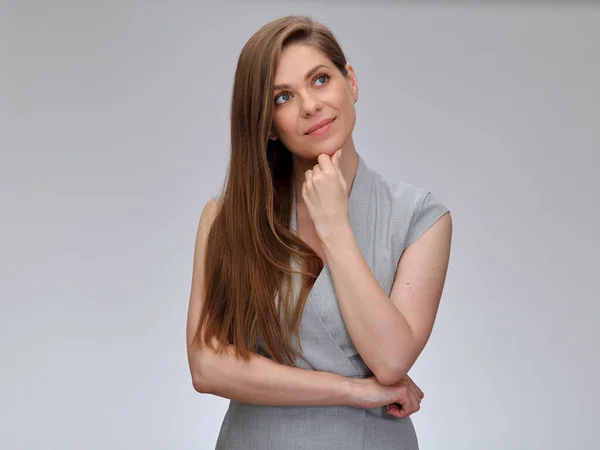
x: 250, y: 244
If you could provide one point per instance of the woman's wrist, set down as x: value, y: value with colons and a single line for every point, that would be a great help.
x: 354, y: 389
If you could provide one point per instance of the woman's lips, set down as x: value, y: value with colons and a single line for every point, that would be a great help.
x: 322, y: 130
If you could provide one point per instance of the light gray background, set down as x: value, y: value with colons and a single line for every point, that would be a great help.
x: 114, y: 132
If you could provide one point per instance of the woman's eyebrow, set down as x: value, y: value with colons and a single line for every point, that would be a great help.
x: 306, y: 77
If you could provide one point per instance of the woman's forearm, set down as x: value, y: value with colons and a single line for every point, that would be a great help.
x: 265, y: 382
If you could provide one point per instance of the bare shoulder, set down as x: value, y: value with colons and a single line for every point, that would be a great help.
x: 207, y: 216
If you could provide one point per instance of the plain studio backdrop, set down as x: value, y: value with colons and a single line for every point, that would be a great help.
x: 114, y: 132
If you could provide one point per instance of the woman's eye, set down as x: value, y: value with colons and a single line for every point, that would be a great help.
x: 281, y: 97
x: 323, y: 77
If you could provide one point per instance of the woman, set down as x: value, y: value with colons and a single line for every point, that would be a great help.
x: 316, y: 282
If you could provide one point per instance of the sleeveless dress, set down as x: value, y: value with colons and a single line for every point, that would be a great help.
x: 386, y: 218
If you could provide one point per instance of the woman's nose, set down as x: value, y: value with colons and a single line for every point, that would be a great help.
x: 311, y: 104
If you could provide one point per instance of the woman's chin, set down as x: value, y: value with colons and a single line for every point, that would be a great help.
x: 311, y: 153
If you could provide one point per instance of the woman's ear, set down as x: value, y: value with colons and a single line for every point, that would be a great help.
x: 352, y: 81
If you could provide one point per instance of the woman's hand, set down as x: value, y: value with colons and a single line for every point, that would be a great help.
x: 402, y: 399
x: 325, y: 193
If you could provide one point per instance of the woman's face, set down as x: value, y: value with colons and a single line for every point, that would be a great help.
x: 309, y: 89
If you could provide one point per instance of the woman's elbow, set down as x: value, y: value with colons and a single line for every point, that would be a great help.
x: 198, y: 366
x: 199, y: 384
x: 390, y: 375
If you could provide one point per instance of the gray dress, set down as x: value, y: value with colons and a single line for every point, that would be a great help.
x: 386, y: 218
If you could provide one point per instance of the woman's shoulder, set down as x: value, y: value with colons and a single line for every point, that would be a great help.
x: 399, y: 194
x: 413, y: 208
x: 207, y: 215
x: 218, y: 197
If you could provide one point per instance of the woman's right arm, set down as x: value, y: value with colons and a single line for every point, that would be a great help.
x: 266, y: 382
x: 260, y: 380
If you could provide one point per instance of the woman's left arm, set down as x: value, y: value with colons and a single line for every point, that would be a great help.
x: 390, y: 332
